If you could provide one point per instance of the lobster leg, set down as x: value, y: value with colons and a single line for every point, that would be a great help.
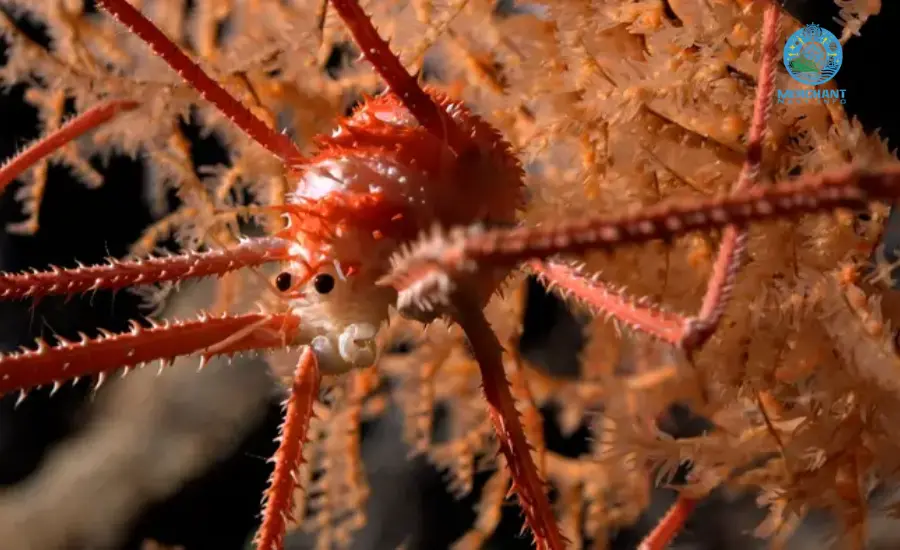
x: 204, y: 336
x: 279, y: 498
x: 118, y: 274
x: 424, y: 273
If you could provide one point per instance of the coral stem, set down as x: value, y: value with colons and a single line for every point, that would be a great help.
x: 73, y: 129
x: 122, y: 274
x: 526, y: 482
x: 289, y: 456
x: 733, y: 245
x: 206, y: 336
x: 278, y: 144
x: 398, y: 79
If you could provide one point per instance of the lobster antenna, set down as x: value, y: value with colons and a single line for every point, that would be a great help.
x: 277, y: 143
x: 377, y: 51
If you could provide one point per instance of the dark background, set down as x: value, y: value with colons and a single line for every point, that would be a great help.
x: 218, y: 510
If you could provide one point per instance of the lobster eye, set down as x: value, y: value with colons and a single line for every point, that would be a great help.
x: 323, y: 283
x: 283, y: 281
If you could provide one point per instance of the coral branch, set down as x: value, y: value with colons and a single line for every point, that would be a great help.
x: 288, y: 458
x: 119, y: 274
x: 734, y: 240
x: 278, y: 144
x: 438, y: 259
x: 525, y: 479
x: 207, y: 336
x: 73, y: 129
x: 670, y: 525
x: 398, y: 79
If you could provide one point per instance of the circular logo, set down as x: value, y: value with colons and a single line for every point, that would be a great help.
x: 813, y: 55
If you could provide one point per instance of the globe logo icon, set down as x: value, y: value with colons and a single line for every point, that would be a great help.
x: 813, y: 55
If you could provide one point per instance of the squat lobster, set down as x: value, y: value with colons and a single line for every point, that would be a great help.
x: 402, y: 163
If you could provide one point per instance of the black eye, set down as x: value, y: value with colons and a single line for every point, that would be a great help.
x: 323, y: 283
x: 283, y: 281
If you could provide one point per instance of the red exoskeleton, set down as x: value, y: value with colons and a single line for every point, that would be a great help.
x: 402, y: 164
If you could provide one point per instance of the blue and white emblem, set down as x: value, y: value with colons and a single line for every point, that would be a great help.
x: 813, y: 55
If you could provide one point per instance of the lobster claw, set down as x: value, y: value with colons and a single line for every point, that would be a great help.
x: 354, y: 348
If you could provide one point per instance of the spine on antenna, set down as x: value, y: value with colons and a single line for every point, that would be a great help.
x: 121, y: 274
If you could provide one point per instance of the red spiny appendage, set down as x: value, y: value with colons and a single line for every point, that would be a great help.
x: 733, y: 244
x: 526, y: 481
x: 670, y: 525
x: 206, y: 336
x: 73, y: 129
x: 118, y: 274
x: 278, y: 144
x: 431, y: 264
x: 398, y: 79
x: 279, y: 498
x: 601, y: 299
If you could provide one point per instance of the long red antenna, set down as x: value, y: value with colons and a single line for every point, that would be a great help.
x: 278, y: 144
x: 376, y: 49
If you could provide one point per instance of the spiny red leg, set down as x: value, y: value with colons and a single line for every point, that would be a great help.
x: 119, y: 274
x: 278, y: 144
x: 526, y: 482
x: 427, y: 269
x: 670, y: 524
x: 376, y: 50
x: 288, y: 458
x: 601, y: 299
x: 205, y: 336
x: 73, y: 129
